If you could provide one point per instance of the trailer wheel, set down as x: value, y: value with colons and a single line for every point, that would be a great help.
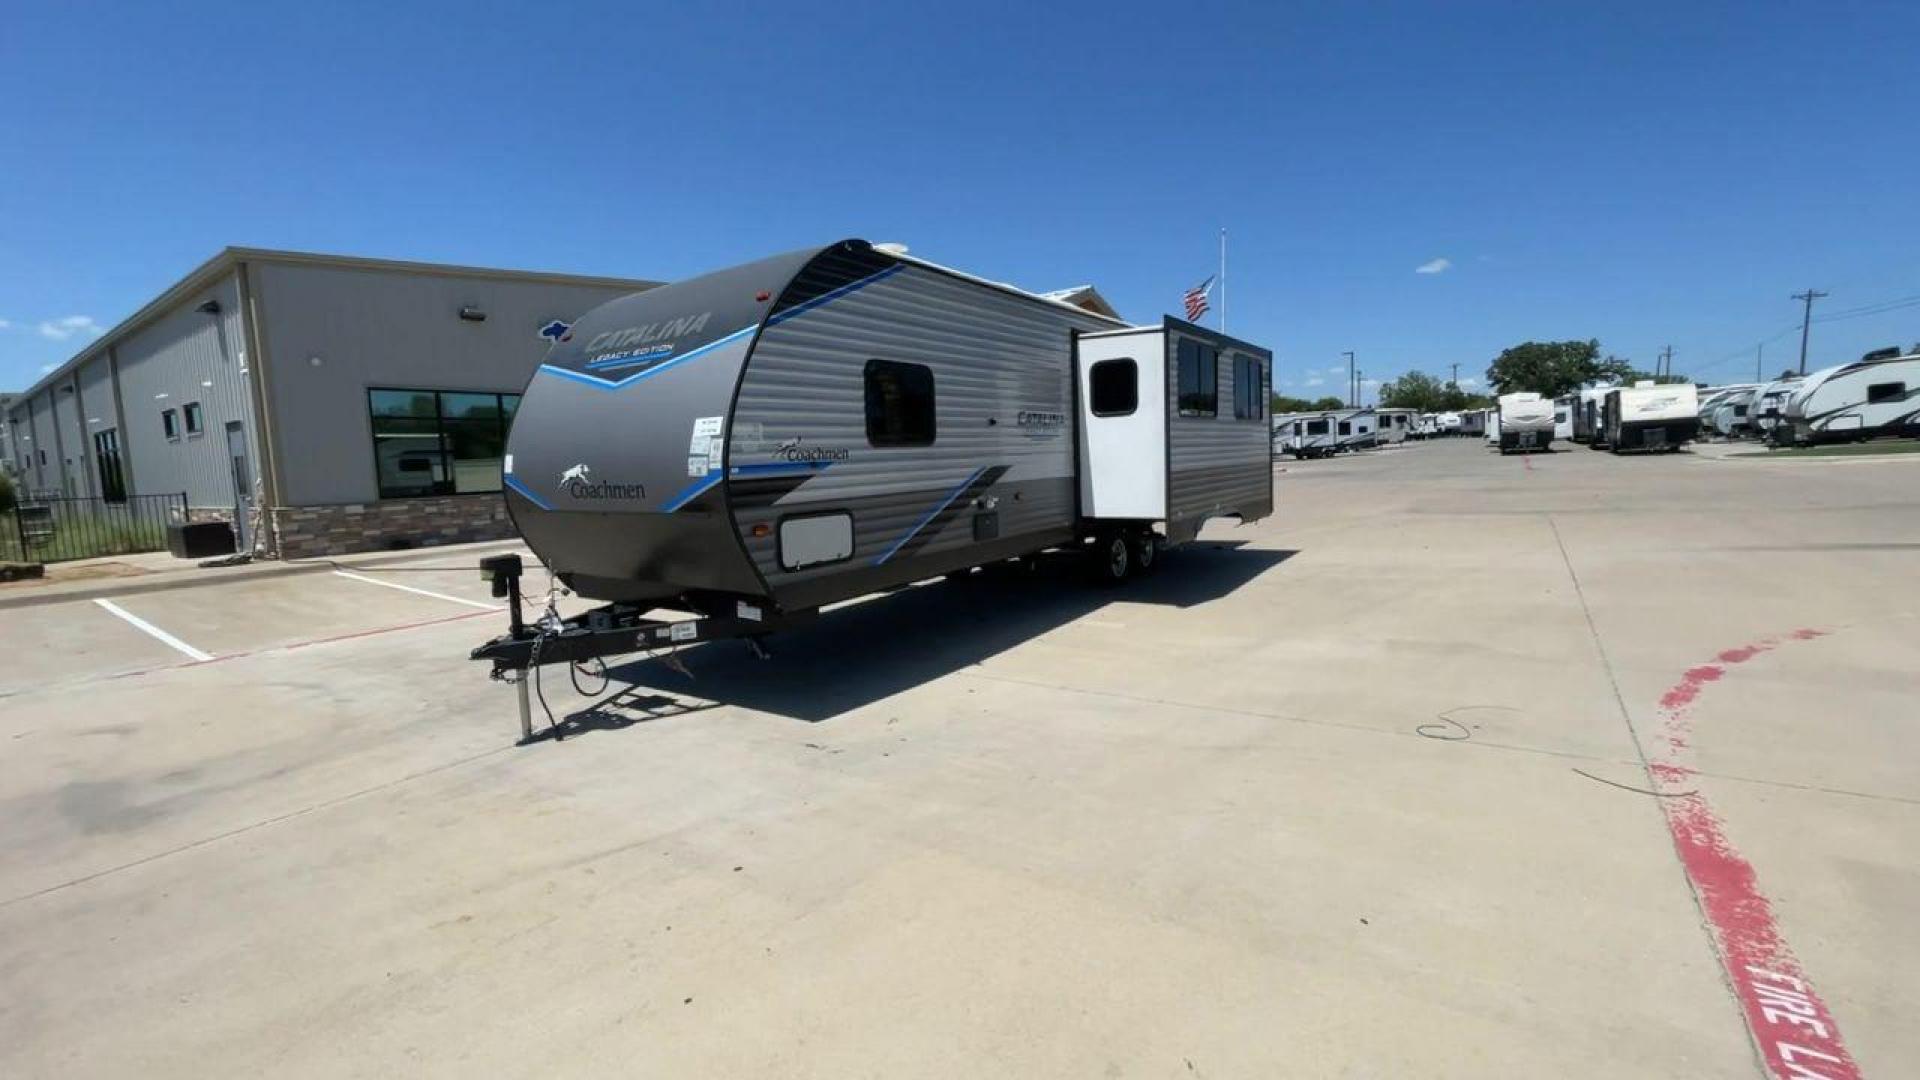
x: 1146, y: 553
x: 1112, y: 559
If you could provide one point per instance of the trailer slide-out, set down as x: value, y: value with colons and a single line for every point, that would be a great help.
x: 755, y: 443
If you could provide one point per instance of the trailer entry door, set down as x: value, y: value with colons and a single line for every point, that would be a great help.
x: 1122, y: 379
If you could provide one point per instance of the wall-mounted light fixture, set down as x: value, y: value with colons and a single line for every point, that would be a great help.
x: 211, y: 307
x: 206, y: 382
x: 473, y: 314
x: 314, y: 360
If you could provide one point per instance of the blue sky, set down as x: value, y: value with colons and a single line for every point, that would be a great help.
x: 1645, y: 174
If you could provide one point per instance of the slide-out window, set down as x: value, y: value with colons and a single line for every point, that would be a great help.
x: 1199, y: 378
x: 899, y: 404
x: 1113, y: 387
x: 1248, y: 387
x: 1886, y: 391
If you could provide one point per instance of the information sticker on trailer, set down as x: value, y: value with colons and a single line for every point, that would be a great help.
x: 697, y: 466
x: 683, y: 631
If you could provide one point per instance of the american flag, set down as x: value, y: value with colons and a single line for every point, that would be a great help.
x: 1196, y: 300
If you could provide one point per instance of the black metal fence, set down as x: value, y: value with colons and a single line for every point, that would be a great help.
x: 58, y: 529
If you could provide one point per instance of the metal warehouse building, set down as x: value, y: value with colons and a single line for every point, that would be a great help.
x: 329, y: 403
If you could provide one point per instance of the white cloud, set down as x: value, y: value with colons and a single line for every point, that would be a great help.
x: 1315, y: 381
x: 1469, y: 381
x: 62, y: 329
x: 5, y: 325
x: 47, y: 369
x: 1434, y: 266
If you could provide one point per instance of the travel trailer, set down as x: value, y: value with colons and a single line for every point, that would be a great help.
x: 1304, y: 435
x: 1729, y: 418
x: 1426, y: 426
x: 1763, y: 412
x: 1861, y: 400
x: 1525, y: 422
x: 1473, y: 422
x: 1563, y: 408
x: 1650, y: 416
x: 766, y: 439
x: 1395, y: 425
x: 1586, y: 412
x: 1354, y: 429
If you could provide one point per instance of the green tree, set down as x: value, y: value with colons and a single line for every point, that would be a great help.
x: 1328, y: 402
x: 1285, y: 404
x: 7, y: 498
x: 1548, y: 368
x: 1414, y: 390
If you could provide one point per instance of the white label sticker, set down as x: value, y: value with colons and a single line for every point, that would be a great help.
x: 696, y: 466
x: 708, y: 425
x: 700, y: 445
x: 684, y: 631
x: 747, y: 611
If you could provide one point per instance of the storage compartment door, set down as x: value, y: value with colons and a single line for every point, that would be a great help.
x: 1123, y: 426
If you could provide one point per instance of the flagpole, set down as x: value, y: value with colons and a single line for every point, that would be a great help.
x: 1223, y: 280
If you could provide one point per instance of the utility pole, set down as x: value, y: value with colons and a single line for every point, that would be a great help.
x: 1352, y: 385
x: 1759, y: 359
x: 1665, y: 367
x: 1455, y: 381
x: 1806, y: 322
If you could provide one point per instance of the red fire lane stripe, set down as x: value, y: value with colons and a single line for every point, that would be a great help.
x: 1792, y: 1026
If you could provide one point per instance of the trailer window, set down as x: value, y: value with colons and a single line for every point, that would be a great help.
x: 1886, y: 391
x: 1346, y: 427
x: 170, y: 423
x: 1247, y: 387
x: 196, y: 423
x: 1199, y: 378
x: 899, y: 404
x: 1113, y: 387
x: 1316, y: 427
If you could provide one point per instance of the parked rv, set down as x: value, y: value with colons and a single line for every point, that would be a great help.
x: 1729, y: 419
x: 1763, y: 412
x: 1473, y: 421
x: 1861, y: 400
x: 1525, y: 422
x: 1394, y: 425
x: 1651, y: 416
x: 760, y: 441
x: 1304, y: 435
x: 1354, y: 429
x: 1586, y: 412
x: 1563, y: 408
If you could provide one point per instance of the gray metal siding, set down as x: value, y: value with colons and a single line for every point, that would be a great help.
x: 72, y: 442
x: 396, y: 329
x: 187, y: 356
x: 45, y: 477
x: 98, y: 398
x: 1218, y: 465
x: 993, y: 356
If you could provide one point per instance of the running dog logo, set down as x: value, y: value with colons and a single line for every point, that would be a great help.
x: 578, y: 472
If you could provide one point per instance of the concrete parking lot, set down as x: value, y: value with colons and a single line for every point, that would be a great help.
x: 1461, y: 765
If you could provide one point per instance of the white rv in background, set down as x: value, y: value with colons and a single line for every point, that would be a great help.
x: 1763, y: 412
x: 1354, y: 429
x: 1474, y: 421
x: 1304, y: 435
x: 1525, y: 422
x: 1425, y: 426
x: 1729, y: 418
x: 1395, y: 424
x: 1563, y: 408
x: 1586, y: 412
x: 1651, y: 416
x: 1861, y: 400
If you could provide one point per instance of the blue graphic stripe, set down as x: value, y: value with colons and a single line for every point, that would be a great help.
x: 666, y: 365
x: 689, y: 493
x: 524, y: 491
x: 777, y: 468
x: 922, y: 523
x: 830, y: 297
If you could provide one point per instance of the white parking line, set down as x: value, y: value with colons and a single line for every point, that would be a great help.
x: 422, y: 592
x: 153, y: 631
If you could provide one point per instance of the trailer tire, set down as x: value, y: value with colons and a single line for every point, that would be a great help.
x: 1112, y: 559
x: 1145, y: 552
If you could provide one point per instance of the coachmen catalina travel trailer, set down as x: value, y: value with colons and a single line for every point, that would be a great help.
x: 757, y: 442
x: 1651, y: 416
x: 1526, y: 422
x: 1855, y: 401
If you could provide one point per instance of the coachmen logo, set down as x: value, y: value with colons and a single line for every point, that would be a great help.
x: 792, y: 450
x: 577, y: 483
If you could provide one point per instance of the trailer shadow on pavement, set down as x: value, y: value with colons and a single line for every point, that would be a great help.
x: 873, y: 649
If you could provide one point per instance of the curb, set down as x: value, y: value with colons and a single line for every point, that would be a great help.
x: 186, y: 579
